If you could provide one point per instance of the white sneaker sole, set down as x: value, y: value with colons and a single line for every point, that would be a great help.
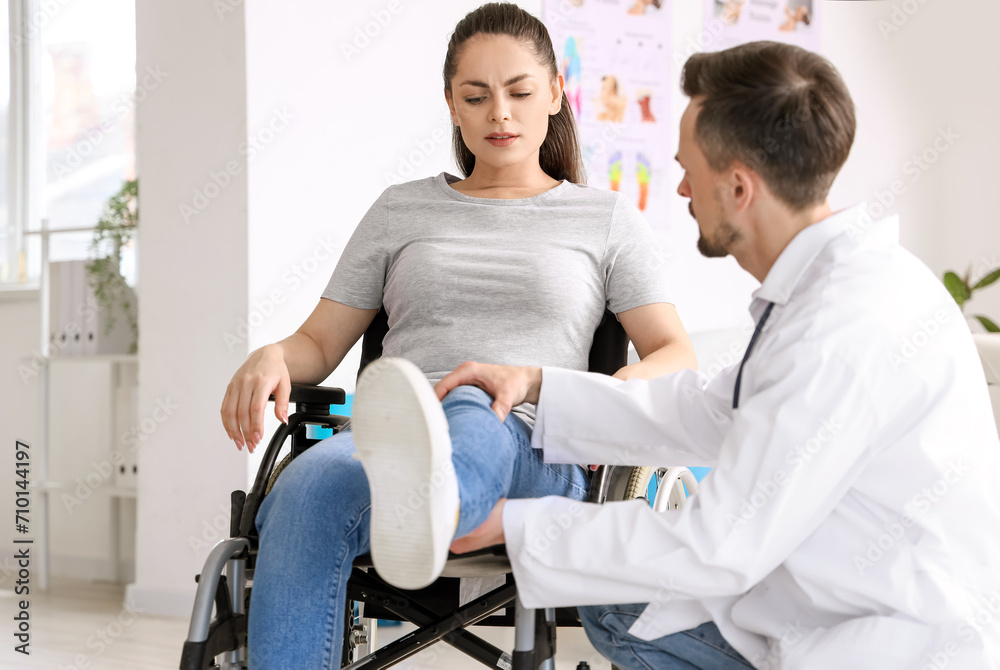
x: 401, y: 437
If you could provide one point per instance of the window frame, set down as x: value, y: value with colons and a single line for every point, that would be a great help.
x: 25, y: 158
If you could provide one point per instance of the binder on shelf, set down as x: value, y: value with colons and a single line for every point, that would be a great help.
x: 77, y: 322
x: 126, y: 431
x: 78, y: 274
x: 55, y: 309
x: 62, y: 305
x: 87, y: 309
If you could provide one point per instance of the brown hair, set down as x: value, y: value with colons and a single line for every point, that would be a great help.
x: 782, y: 110
x: 559, y: 155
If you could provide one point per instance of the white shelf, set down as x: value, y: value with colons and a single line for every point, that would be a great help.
x: 43, y: 486
x: 111, y: 491
x: 97, y: 358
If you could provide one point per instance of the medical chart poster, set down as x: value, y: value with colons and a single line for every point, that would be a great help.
x: 615, y: 58
x: 733, y: 22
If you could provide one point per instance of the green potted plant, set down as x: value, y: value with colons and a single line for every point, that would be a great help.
x: 114, y: 230
x: 961, y: 290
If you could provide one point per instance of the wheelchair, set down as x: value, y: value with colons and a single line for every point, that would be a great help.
x: 217, y: 635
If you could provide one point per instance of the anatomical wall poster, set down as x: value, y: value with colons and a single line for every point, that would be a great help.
x: 615, y: 58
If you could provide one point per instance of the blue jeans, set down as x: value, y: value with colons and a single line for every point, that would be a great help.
x: 701, y: 648
x: 315, y: 522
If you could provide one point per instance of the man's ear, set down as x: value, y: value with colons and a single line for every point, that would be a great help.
x: 558, y: 86
x: 742, y: 186
x: 451, y: 107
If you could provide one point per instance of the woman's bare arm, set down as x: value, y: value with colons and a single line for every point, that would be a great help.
x: 308, y: 356
x: 660, y: 340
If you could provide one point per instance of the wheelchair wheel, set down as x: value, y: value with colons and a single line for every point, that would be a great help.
x: 674, y: 485
x: 638, y: 482
x: 629, y: 483
x: 277, y: 471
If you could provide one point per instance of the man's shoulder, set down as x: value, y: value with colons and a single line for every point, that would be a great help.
x: 870, y: 301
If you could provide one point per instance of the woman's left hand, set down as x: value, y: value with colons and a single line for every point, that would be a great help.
x: 487, y: 535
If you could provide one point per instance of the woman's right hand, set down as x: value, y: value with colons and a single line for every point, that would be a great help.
x: 263, y: 373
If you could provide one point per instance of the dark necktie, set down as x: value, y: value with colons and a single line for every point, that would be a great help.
x: 753, y: 340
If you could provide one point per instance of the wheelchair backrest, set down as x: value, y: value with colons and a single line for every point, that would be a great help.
x: 608, y: 353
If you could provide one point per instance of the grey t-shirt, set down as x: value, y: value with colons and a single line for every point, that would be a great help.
x: 514, y: 282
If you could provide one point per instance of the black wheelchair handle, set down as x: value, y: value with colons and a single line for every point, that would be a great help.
x: 321, y: 395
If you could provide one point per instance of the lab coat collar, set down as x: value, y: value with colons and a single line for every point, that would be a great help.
x: 791, y: 265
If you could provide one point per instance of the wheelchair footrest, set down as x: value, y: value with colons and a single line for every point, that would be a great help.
x: 223, y: 636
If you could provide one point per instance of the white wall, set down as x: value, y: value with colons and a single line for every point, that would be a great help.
x: 935, y: 70
x: 354, y: 121
x: 193, y: 286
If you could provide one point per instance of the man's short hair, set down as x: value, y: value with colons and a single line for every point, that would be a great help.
x: 783, y: 111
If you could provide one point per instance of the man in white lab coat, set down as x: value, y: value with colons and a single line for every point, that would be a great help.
x: 852, y: 518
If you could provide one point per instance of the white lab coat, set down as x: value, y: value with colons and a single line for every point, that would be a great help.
x: 852, y: 519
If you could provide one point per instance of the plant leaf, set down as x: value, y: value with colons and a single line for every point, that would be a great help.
x: 987, y: 324
x: 987, y: 280
x: 958, y: 288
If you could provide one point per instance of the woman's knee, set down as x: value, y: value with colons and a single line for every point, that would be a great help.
x: 466, y: 396
x: 322, y: 478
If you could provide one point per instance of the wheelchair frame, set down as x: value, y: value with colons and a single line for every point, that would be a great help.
x: 433, y: 609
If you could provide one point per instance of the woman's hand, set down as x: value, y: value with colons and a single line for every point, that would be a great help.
x: 263, y: 373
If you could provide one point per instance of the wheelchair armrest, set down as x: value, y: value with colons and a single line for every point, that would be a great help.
x: 321, y: 395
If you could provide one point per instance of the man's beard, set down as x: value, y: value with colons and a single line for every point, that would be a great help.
x: 721, y: 243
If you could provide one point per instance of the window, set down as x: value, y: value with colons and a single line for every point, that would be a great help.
x: 79, y: 74
x: 9, y: 245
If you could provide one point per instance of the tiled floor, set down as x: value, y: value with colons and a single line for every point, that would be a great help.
x: 83, y: 626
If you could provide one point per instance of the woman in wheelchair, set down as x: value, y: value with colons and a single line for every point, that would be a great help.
x: 515, y: 264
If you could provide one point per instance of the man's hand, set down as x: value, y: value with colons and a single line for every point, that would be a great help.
x: 488, y: 534
x: 508, y: 385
